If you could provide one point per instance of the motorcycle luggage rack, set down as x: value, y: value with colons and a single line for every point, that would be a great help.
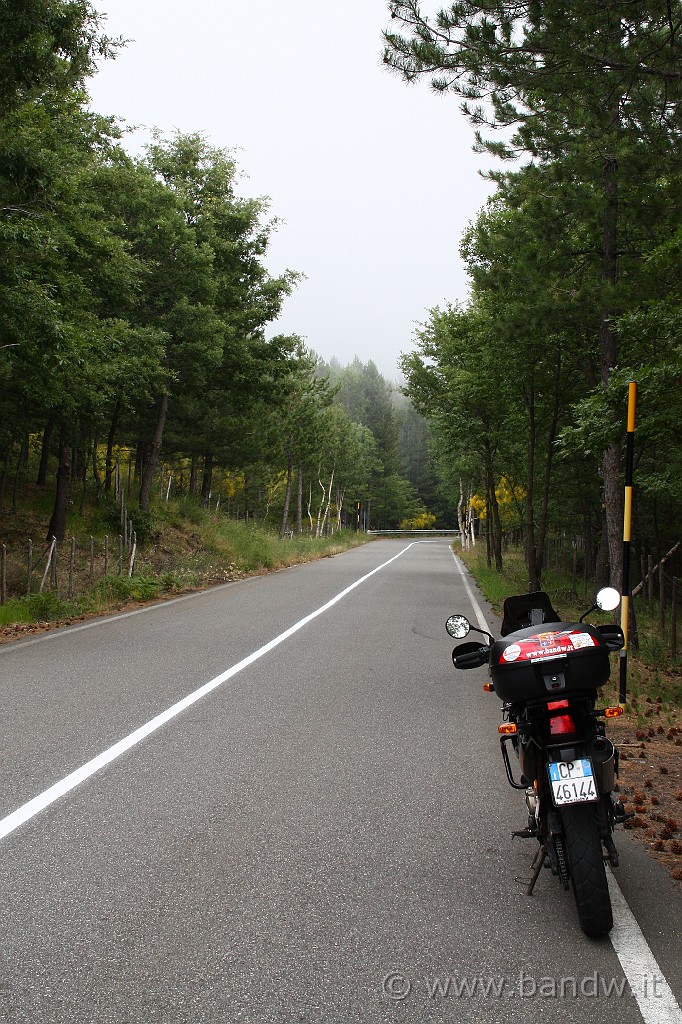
x: 507, y: 764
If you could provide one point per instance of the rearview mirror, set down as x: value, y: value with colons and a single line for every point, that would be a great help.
x: 458, y: 626
x: 608, y: 599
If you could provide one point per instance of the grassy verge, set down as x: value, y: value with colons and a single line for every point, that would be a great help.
x: 187, y: 547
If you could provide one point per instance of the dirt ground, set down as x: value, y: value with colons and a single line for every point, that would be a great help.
x: 651, y: 779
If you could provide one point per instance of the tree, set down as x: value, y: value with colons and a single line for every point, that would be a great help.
x: 590, y: 92
x: 211, y: 360
x: 47, y: 46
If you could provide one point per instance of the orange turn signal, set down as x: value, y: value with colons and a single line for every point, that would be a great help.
x: 613, y: 712
x: 508, y: 729
x: 488, y: 687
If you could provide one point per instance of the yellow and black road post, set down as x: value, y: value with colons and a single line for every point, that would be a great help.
x: 627, y: 530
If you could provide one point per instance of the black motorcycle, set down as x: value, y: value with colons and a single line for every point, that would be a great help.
x: 547, y: 673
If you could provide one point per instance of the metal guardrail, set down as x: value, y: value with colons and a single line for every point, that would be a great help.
x: 417, y: 533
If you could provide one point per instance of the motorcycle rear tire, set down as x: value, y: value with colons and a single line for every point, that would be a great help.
x: 588, y: 874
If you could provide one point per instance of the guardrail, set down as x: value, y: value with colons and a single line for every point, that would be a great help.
x: 419, y: 533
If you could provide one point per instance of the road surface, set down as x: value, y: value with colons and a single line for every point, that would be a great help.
x: 276, y: 801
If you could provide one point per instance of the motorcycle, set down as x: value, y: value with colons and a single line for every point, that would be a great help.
x: 547, y: 674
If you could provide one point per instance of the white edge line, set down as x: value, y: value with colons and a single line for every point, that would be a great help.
x: 69, y: 782
x: 467, y: 586
x: 655, y: 998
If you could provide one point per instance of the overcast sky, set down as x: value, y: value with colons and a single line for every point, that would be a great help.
x: 374, y: 180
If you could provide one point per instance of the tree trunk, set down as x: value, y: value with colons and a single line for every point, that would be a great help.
x: 318, y: 525
x: 45, y: 453
x: 207, y: 480
x: 495, y: 524
x: 534, y: 553
x: 95, y: 471
x: 460, y: 517
x: 109, y: 464
x: 193, y: 474
x: 601, y: 572
x: 140, y: 449
x: 287, y: 496
x: 299, y: 500
x: 321, y: 529
x: 57, y: 527
x: 149, y: 469
x: 488, y: 517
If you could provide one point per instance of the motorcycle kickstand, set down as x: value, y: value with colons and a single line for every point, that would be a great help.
x: 536, y: 868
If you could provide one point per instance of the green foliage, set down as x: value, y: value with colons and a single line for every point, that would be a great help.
x: 128, y: 588
x: 574, y: 264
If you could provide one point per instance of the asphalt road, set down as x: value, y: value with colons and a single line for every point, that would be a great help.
x: 324, y: 836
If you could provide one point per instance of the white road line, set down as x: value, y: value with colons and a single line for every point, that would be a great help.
x: 467, y: 586
x: 654, y: 996
x: 65, y: 785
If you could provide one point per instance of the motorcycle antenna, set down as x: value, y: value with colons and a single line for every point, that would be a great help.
x: 627, y: 528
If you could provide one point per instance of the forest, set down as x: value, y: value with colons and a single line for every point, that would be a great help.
x: 575, y: 274
x: 134, y: 305
x: 135, y: 302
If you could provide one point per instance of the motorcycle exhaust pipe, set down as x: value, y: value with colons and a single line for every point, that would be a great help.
x: 604, y: 758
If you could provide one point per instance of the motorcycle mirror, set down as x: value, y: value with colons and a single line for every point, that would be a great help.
x: 458, y: 626
x: 608, y: 599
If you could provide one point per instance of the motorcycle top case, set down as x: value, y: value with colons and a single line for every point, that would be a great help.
x: 555, y: 657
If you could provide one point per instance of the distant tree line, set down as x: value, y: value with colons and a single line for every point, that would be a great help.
x: 133, y: 306
x: 575, y: 267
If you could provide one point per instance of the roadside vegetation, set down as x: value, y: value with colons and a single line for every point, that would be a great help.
x: 188, y: 547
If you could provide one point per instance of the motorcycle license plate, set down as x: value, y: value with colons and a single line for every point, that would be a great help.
x: 572, y: 781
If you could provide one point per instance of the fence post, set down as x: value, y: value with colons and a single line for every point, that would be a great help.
x: 29, y: 567
x: 120, y: 554
x: 53, y: 577
x: 3, y: 575
x: 661, y: 599
x: 132, y: 557
x: 49, y: 564
x: 106, y: 554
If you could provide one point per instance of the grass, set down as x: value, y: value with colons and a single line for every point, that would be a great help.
x: 185, y: 547
x: 652, y: 673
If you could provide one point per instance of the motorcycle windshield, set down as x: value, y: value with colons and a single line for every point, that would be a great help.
x: 518, y: 611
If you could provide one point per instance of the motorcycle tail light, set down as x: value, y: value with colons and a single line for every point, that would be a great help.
x: 561, y: 725
x: 554, y: 705
x: 613, y: 712
x: 508, y: 729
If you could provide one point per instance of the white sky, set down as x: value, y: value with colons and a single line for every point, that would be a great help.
x: 375, y: 181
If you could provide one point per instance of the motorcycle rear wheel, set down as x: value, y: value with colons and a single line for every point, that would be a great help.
x: 588, y: 874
